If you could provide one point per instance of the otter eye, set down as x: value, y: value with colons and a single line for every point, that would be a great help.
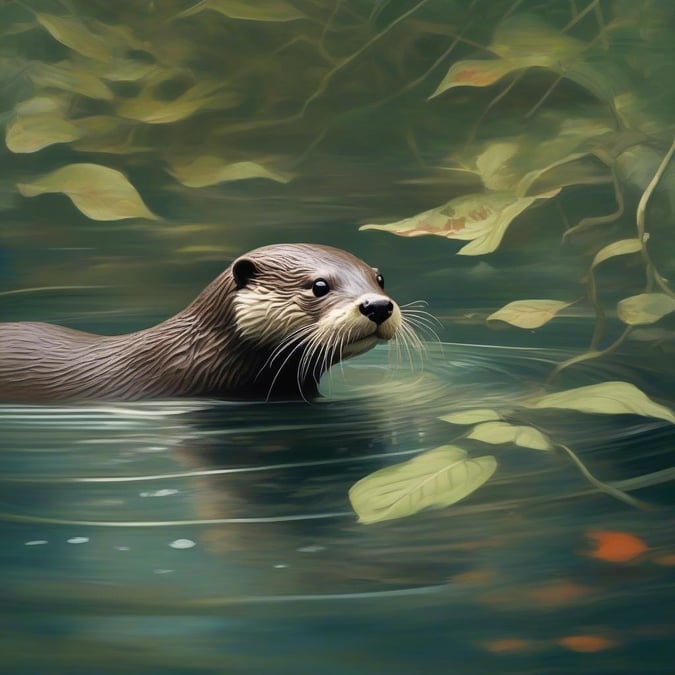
x: 380, y: 280
x: 320, y: 287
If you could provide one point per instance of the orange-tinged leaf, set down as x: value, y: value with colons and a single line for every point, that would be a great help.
x: 615, y: 546
x: 586, y: 643
x: 478, y: 73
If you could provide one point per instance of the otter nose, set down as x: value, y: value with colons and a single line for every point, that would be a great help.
x: 377, y: 310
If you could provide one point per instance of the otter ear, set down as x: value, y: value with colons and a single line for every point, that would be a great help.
x: 243, y: 270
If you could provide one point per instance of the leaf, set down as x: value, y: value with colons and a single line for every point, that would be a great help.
x: 147, y: 109
x: 99, y: 192
x: 480, y: 73
x: 471, y: 416
x: 502, y: 432
x: 249, y: 10
x: 614, y: 398
x: 645, y: 308
x: 493, y: 165
x: 528, y: 313
x: 621, y: 247
x: 209, y: 170
x: 34, y: 132
x: 72, y: 33
x: 480, y: 218
x: 65, y: 77
x: 434, y: 479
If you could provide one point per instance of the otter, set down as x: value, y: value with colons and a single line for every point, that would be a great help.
x: 268, y: 327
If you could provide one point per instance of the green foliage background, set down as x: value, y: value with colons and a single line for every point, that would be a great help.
x: 509, y: 128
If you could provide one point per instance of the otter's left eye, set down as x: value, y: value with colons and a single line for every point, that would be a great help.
x: 380, y: 280
x: 320, y: 287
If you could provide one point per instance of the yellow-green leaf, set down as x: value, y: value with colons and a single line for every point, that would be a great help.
x: 481, y: 219
x: 473, y: 416
x: 434, y: 479
x: 209, y: 170
x: 621, y: 247
x: 72, y: 33
x: 645, y: 308
x: 34, y: 132
x: 502, y: 432
x: 249, y: 10
x: 528, y: 313
x: 65, y: 77
x: 607, y: 397
x: 101, y: 193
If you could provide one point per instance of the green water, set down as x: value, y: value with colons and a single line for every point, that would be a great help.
x: 194, y: 537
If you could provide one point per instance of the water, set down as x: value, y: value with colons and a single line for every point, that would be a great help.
x: 198, y: 537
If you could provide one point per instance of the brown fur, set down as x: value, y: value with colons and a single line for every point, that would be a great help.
x: 223, y: 344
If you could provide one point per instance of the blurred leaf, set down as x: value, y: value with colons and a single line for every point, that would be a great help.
x: 209, y: 170
x: 99, y: 192
x: 606, y: 397
x: 480, y: 218
x: 502, y: 432
x: 645, y: 308
x: 528, y: 313
x: 251, y: 10
x: 621, y: 247
x: 145, y: 108
x: 72, y: 33
x: 436, y: 478
x: 494, y: 168
x: 65, y: 77
x: 34, y: 132
x: 471, y: 416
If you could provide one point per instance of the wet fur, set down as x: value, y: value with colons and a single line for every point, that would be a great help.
x: 257, y: 331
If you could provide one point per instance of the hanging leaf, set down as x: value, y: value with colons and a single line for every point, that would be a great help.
x: 621, y: 247
x: 502, y: 432
x: 480, y: 218
x: 209, y: 170
x: 645, y: 308
x: 34, y: 132
x: 249, y: 10
x: 494, y: 168
x: 147, y: 109
x: 471, y: 416
x: 99, y: 192
x: 434, y: 479
x: 613, y: 398
x: 72, y: 33
x: 528, y: 313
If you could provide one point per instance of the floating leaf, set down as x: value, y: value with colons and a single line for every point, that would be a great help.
x: 621, y: 247
x: 436, y: 478
x: 72, y: 33
x: 471, y: 416
x: 502, y: 432
x: 63, y: 76
x: 607, y: 397
x: 250, y: 10
x: 528, y: 313
x: 101, y: 193
x: 480, y: 218
x: 645, y: 308
x: 209, y: 170
x: 34, y: 132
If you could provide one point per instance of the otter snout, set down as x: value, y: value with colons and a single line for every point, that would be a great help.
x: 378, y: 310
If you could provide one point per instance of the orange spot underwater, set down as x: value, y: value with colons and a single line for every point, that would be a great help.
x: 586, y: 643
x: 507, y: 645
x: 614, y: 546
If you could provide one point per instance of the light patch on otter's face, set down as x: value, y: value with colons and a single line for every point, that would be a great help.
x: 267, y: 316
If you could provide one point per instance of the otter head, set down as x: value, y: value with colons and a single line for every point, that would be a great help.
x: 305, y: 307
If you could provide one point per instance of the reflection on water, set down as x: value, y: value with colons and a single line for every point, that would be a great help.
x: 192, y: 532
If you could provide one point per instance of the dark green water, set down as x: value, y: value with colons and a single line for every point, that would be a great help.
x: 197, y: 537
